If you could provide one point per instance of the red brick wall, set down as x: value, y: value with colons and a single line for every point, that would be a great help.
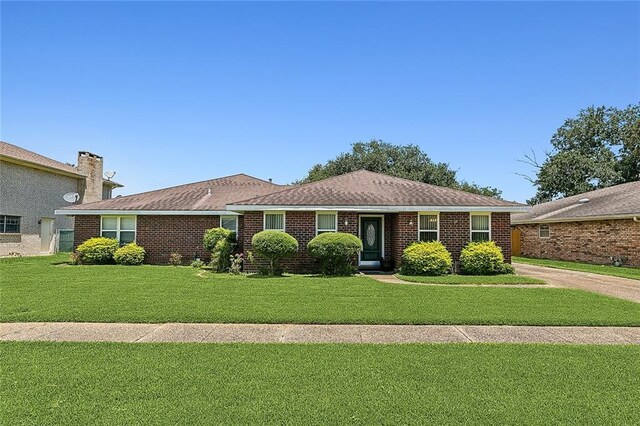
x: 162, y: 235
x: 589, y: 241
x: 501, y: 233
x: 455, y: 232
x: 404, y: 228
x: 85, y: 227
x: 302, y: 226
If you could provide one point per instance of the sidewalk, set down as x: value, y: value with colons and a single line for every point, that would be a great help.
x: 301, y: 333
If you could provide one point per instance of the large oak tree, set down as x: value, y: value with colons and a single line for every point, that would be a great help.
x: 598, y: 148
x: 404, y: 161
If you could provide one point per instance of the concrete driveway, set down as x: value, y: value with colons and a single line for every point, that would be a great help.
x: 623, y: 288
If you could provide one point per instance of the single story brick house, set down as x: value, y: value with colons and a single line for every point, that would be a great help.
x: 387, y: 213
x: 601, y: 226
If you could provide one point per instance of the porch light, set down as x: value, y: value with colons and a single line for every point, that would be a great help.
x: 411, y: 223
x: 346, y: 222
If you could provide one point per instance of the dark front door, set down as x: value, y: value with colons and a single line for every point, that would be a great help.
x: 371, y: 236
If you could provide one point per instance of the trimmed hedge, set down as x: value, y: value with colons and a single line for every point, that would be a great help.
x: 220, y: 242
x: 426, y: 258
x: 274, y: 246
x: 483, y: 258
x: 336, y: 251
x: 130, y: 254
x: 98, y: 250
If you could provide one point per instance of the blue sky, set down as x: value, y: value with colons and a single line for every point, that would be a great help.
x: 173, y: 92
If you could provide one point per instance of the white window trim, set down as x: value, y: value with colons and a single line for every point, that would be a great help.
x: 471, y: 231
x: 284, y: 220
x: 230, y: 217
x: 117, y: 230
x: 437, y: 214
x: 540, y: 228
x: 335, y: 214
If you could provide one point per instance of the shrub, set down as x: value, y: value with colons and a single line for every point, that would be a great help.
x: 426, y: 258
x: 175, y: 259
x: 274, y: 246
x: 197, y: 263
x: 336, y: 251
x: 220, y: 242
x: 130, y: 254
x: 97, y: 250
x: 481, y: 258
x: 507, y: 269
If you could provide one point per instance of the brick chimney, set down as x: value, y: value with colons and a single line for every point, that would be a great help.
x: 91, y: 166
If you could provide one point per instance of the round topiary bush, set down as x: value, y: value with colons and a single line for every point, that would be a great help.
x: 426, y: 258
x: 482, y: 258
x: 220, y: 242
x: 97, y: 250
x: 336, y: 251
x: 130, y: 254
x: 274, y: 246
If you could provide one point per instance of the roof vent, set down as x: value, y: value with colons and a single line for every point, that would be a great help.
x: 208, y: 191
x: 583, y: 200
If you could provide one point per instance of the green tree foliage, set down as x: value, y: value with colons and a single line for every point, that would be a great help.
x: 598, y: 148
x: 220, y: 243
x: 404, y: 161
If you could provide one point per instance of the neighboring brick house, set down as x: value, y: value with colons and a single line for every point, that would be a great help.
x: 601, y: 226
x: 387, y: 213
x: 32, y: 186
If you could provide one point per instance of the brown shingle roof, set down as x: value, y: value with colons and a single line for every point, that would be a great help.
x: 365, y: 188
x: 208, y: 195
x: 614, y: 201
x: 12, y: 152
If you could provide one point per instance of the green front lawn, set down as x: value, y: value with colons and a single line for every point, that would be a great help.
x: 115, y: 383
x: 471, y: 279
x: 616, y: 271
x: 33, y: 289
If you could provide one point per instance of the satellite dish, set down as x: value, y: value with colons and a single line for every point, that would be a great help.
x: 71, y: 197
x: 109, y: 174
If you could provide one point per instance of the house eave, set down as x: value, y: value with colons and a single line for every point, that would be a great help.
x: 42, y: 167
x: 385, y: 209
x: 574, y: 219
x: 105, y: 212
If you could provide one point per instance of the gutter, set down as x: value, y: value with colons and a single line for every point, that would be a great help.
x: 634, y: 217
x: 80, y: 212
x: 387, y: 209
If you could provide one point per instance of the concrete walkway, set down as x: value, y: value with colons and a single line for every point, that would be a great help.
x: 623, y: 288
x: 392, y: 279
x: 294, y: 333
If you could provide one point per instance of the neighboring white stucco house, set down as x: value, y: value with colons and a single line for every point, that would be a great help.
x: 31, y: 189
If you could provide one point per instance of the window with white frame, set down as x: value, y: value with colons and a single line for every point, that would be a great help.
x: 543, y: 231
x: 274, y: 221
x: 121, y: 228
x: 428, y: 227
x: 9, y: 224
x: 229, y: 222
x: 326, y: 222
x: 480, y: 227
